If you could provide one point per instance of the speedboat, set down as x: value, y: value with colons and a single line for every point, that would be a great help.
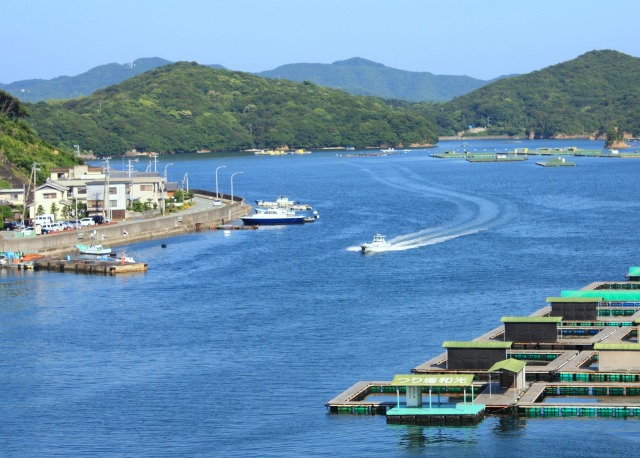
x: 378, y: 243
x: 96, y: 249
x: 273, y: 217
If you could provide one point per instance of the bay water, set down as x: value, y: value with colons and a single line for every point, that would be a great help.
x: 231, y: 345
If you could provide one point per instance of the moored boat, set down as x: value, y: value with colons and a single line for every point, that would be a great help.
x: 273, y: 217
x: 96, y: 249
x: 283, y: 202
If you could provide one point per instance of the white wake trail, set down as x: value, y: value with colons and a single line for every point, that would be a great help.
x: 474, y: 214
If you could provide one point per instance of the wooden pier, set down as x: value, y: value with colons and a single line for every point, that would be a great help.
x: 91, y: 267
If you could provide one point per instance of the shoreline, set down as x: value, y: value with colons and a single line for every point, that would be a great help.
x: 200, y: 216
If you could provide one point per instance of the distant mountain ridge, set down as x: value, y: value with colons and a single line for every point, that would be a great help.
x: 69, y: 87
x: 363, y: 77
x: 356, y: 76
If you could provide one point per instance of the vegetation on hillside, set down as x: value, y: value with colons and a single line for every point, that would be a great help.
x: 20, y: 147
x: 589, y: 95
x: 187, y: 107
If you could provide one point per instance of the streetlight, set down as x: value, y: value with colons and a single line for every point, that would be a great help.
x: 130, y: 166
x: 221, y: 167
x: 165, y: 170
x: 236, y: 173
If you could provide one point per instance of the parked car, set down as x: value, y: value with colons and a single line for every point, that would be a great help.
x: 12, y: 226
x: 29, y: 230
x: 99, y: 219
x: 87, y: 221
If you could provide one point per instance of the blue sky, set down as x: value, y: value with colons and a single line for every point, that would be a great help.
x: 483, y: 39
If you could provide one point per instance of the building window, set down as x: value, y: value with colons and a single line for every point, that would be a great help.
x: 146, y: 187
x: 49, y: 195
x: 113, y: 190
x: 113, y: 203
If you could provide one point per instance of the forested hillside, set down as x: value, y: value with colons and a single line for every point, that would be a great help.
x: 187, y: 107
x: 589, y: 95
x: 20, y: 147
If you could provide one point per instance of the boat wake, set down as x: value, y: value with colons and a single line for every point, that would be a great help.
x: 473, y: 214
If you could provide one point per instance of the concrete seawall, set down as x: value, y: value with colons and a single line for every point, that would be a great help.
x: 202, y: 215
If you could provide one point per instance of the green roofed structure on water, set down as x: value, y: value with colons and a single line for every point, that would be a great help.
x: 575, y: 299
x: 531, y: 319
x: 634, y: 272
x: 511, y: 365
x: 476, y: 344
x: 617, y: 346
x: 605, y: 295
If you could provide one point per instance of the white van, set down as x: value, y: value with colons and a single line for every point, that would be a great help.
x: 51, y: 227
x: 44, y: 219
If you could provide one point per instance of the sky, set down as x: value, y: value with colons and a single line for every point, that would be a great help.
x: 44, y: 39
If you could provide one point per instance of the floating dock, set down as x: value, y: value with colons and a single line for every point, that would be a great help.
x: 578, y: 356
x: 231, y: 227
x: 559, y: 162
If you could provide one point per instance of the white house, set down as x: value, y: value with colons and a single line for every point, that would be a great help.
x: 12, y: 197
x: 52, y: 197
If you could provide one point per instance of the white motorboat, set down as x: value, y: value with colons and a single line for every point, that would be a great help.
x: 96, y: 249
x: 377, y: 244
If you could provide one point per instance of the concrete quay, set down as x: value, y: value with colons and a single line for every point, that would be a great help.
x: 202, y: 215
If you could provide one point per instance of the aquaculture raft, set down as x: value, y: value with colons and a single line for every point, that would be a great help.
x: 578, y: 356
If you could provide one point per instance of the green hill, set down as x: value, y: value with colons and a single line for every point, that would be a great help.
x: 20, y: 147
x: 363, y: 77
x: 587, y: 96
x: 187, y: 107
x: 69, y: 87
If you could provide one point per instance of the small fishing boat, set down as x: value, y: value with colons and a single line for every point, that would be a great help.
x: 377, y: 244
x: 96, y: 249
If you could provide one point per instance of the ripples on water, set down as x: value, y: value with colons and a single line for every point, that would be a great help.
x: 230, y: 346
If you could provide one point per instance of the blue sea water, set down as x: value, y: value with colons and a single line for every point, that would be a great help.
x: 231, y: 346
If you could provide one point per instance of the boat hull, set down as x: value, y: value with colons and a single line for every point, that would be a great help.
x: 93, y: 249
x: 276, y: 221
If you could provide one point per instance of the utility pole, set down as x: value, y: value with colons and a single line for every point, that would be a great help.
x: 107, y: 171
x: 32, y: 182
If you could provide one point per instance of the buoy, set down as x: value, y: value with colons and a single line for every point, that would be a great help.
x: 164, y: 245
